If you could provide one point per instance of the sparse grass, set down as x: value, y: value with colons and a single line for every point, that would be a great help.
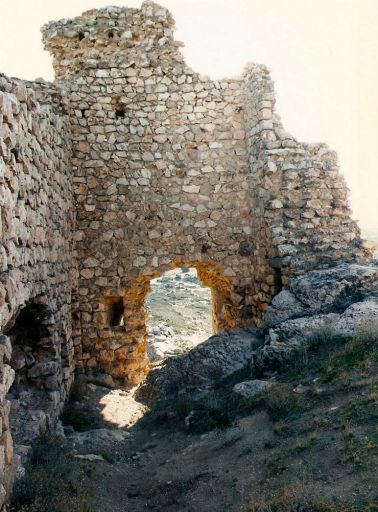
x: 329, y: 429
x: 319, y: 450
x: 360, y: 353
x: 216, y: 408
x: 53, y: 482
x: 286, y: 503
x: 283, y: 403
x: 296, y: 497
x: 308, y: 442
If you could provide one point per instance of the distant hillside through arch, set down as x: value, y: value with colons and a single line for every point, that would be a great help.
x: 179, y: 313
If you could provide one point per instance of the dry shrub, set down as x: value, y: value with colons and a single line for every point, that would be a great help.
x: 53, y: 482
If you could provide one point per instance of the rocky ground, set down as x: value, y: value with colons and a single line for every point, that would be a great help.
x: 281, y: 419
x: 308, y: 442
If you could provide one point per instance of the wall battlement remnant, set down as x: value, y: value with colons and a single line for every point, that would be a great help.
x: 132, y: 164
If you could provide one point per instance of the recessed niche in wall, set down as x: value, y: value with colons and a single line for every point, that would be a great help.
x: 37, y: 372
x: 115, y: 311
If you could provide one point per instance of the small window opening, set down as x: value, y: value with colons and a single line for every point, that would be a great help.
x: 110, y: 34
x: 120, y: 112
x: 277, y: 280
x: 81, y: 36
x: 83, y: 112
x: 115, y: 311
x: 15, y: 153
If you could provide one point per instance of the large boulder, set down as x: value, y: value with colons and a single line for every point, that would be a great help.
x: 359, y: 317
x: 316, y: 306
x: 213, y: 360
x: 323, y: 291
x: 291, y: 337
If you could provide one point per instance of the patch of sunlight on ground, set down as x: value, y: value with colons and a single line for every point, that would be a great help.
x: 121, y: 408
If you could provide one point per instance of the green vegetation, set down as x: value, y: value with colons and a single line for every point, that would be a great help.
x: 307, y: 444
x: 294, y: 499
x: 53, y: 482
x: 327, y: 431
x: 323, y: 410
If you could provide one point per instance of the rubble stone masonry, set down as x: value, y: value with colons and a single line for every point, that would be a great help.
x: 147, y: 166
x: 37, y: 214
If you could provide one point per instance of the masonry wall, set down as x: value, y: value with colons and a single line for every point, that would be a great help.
x: 160, y: 177
x: 37, y: 214
x: 140, y: 167
x: 172, y: 169
x: 301, y: 214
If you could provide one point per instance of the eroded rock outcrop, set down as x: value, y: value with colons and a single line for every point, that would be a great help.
x: 213, y: 360
x: 339, y: 301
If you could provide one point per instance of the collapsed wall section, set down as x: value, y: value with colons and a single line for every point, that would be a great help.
x: 36, y: 262
x: 301, y: 213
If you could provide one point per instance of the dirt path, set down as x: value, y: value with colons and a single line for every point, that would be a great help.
x: 149, y: 466
x: 310, y: 443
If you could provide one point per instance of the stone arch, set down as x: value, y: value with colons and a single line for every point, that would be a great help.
x: 120, y: 350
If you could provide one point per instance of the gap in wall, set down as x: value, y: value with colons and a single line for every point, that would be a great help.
x: 179, y: 313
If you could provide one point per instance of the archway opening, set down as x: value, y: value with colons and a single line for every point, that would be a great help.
x: 121, y: 338
x: 179, y: 313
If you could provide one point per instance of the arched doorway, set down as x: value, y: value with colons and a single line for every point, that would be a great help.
x: 121, y: 347
x: 179, y: 316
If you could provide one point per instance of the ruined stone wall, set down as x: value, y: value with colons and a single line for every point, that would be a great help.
x: 172, y: 169
x: 301, y: 214
x: 142, y: 166
x: 37, y: 213
x: 160, y: 177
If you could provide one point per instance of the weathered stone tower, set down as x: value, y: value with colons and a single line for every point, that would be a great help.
x: 129, y: 165
x: 171, y: 169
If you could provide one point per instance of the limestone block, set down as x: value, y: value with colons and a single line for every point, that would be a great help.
x: 251, y: 388
x: 7, y: 442
x: 43, y: 369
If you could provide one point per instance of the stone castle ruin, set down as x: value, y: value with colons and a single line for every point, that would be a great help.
x: 128, y: 165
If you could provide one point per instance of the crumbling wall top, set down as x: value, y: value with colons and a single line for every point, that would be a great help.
x: 112, y: 26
